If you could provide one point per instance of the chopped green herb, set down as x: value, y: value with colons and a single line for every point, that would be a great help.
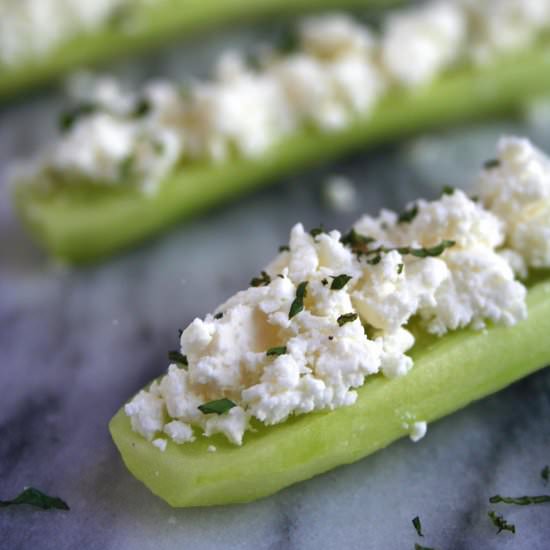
x: 284, y: 248
x: 436, y: 250
x: 521, y: 501
x: 68, y: 118
x: 324, y: 282
x: 448, y: 190
x: 545, y: 473
x: 178, y: 358
x: 287, y: 41
x: 356, y: 240
x: 298, y: 303
x: 340, y: 281
x: 218, y: 315
x: 346, y: 318
x: 37, y: 498
x: 491, y: 163
x: 417, y: 525
x: 400, y: 268
x: 263, y: 280
x: 143, y: 106
x: 500, y: 522
x: 409, y: 215
x: 219, y: 406
x: 278, y: 350
x: 375, y: 260
x: 420, y: 547
x: 316, y: 231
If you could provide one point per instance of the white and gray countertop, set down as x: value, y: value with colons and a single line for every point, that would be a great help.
x: 75, y: 344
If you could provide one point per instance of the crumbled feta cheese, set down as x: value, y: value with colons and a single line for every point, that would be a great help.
x: 274, y: 357
x: 160, y: 444
x: 146, y: 411
x: 431, y: 36
x: 179, y: 432
x: 212, y: 448
x: 516, y: 188
x: 481, y: 287
x: 387, y: 296
x: 502, y: 25
x: 453, y: 217
x: 331, y: 35
x: 233, y: 424
x: 30, y: 28
x: 417, y: 430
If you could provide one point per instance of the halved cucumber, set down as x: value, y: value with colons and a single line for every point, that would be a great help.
x: 449, y: 373
x: 80, y: 223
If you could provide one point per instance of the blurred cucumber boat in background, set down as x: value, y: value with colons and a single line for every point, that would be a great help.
x: 125, y: 28
x: 83, y: 223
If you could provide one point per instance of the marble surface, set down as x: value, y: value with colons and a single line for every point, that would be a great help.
x: 75, y: 344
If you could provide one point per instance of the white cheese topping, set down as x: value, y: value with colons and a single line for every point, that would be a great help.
x: 330, y: 310
x: 417, y: 430
x: 337, y: 73
x: 29, y: 29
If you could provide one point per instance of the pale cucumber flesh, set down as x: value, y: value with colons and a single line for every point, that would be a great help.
x: 449, y: 373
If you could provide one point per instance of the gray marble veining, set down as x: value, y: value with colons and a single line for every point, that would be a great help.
x: 75, y: 344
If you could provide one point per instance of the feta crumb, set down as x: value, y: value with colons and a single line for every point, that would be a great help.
x: 340, y: 194
x: 431, y: 35
x: 516, y: 188
x: 179, y: 432
x: 160, y: 444
x: 212, y: 448
x: 417, y: 430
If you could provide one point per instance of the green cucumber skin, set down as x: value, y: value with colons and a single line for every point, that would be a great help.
x: 449, y: 373
x: 79, y: 224
x: 152, y: 25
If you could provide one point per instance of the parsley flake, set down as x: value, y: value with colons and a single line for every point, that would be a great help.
x: 263, y: 280
x: 218, y: 315
x: 448, y: 190
x: 316, y: 231
x: 491, y: 163
x: 417, y: 525
x: 36, y: 498
x: 284, y: 248
x: 346, y: 318
x: 356, y: 240
x: 178, y: 358
x: 278, y: 350
x: 420, y: 547
x: 298, y: 303
x: 500, y: 522
x: 219, y: 406
x: 68, y: 118
x: 400, y: 268
x: 436, y: 250
x: 340, y: 281
x: 375, y: 260
x: 142, y: 107
x: 520, y: 501
x: 408, y: 215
